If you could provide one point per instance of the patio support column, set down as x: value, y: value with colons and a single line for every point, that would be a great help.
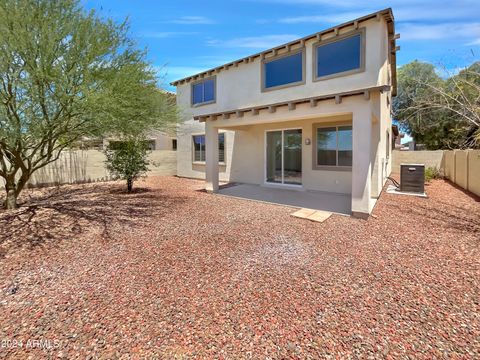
x: 211, y: 156
x: 361, y: 166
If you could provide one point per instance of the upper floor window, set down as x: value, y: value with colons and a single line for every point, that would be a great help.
x: 339, y: 56
x: 284, y: 70
x: 203, y: 92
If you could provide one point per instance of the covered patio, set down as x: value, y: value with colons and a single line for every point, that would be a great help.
x: 317, y: 200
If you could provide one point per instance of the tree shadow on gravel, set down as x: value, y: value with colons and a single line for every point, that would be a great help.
x: 60, y: 214
x: 450, y: 215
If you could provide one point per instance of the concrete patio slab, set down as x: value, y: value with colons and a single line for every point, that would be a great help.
x: 315, y: 200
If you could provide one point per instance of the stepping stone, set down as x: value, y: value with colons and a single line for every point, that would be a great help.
x: 313, y: 215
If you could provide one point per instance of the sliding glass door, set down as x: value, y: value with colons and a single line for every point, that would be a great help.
x: 284, y: 156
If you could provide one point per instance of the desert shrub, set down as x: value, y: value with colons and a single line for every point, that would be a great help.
x: 127, y: 160
x: 431, y: 173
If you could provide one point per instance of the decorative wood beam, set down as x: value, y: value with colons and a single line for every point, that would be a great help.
x: 355, y: 24
x: 395, y: 37
x: 335, y: 31
x: 292, y: 104
x: 319, y: 37
x: 226, y: 116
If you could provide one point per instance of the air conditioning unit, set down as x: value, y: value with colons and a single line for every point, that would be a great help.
x: 412, y: 178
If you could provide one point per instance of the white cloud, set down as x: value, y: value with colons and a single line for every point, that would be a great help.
x: 255, y: 42
x: 474, y: 42
x: 464, y: 31
x: 403, y: 10
x: 192, y: 20
x: 178, y: 72
x: 336, y: 18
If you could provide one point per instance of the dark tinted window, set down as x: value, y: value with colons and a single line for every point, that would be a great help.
x: 339, y: 56
x: 197, y: 93
x: 345, y: 146
x: 199, y: 147
x: 334, y: 146
x: 285, y: 70
x: 327, y: 146
x: 221, y: 147
x: 203, y: 91
x: 209, y: 90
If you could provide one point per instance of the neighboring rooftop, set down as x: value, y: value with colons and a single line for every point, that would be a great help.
x: 386, y: 13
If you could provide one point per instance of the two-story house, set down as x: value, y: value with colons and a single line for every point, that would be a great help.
x: 312, y: 114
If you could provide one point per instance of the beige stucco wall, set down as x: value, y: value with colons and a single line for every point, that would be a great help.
x: 185, y: 165
x: 162, y: 141
x: 248, y: 156
x: 89, y: 165
x: 448, y: 165
x: 240, y: 87
x: 245, y: 143
x: 462, y: 167
x: 429, y: 158
x: 474, y: 171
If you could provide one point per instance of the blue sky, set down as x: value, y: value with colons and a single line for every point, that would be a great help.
x: 186, y: 37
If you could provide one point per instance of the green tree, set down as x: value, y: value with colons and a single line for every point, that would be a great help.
x: 439, y: 112
x: 127, y: 160
x: 67, y: 74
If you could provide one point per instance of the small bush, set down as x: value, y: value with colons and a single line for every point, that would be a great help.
x: 127, y: 160
x: 431, y: 173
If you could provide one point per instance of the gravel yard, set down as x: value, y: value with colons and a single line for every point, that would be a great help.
x: 171, y: 271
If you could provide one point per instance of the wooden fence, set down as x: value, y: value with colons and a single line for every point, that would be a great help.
x: 461, y: 167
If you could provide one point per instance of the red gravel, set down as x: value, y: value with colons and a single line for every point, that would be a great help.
x: 173, y: 272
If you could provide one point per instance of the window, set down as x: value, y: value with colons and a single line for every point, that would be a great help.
x: 203, y: 92
x: 284, y: 70
x: 199, y: 148
x: 333, y: 146
x: 339, y: 56
x: 174, y: 144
